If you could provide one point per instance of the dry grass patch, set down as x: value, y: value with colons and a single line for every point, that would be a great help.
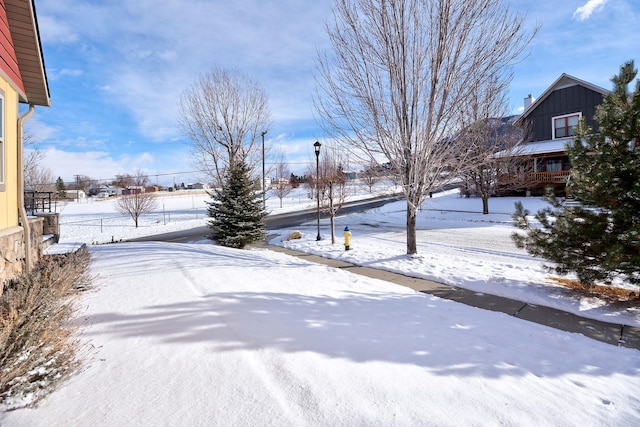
x: 39, y: 344
x: 612, y: 294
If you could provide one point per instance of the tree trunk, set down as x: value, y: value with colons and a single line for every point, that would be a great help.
x: 333, y: 231
x: 485, y: 205
x: 412, y: 247
x: 332, y: 214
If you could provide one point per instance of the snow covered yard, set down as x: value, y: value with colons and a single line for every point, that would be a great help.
x: 459, y: 246
x: 196, y: 334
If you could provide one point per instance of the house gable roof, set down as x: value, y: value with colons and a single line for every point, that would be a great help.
x: 564, y: 81
x: 23, y: 25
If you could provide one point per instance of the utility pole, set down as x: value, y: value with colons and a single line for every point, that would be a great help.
x: 77, y: 188
x: 264, y: 190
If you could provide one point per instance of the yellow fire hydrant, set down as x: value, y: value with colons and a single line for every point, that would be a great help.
x: 347, y: 238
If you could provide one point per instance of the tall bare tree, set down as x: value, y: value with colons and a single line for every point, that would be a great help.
x: 398, y: 75
x: 224, y: 114
x: 138, y: 201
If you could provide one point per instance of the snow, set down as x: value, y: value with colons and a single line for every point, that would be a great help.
x: 197, y: 334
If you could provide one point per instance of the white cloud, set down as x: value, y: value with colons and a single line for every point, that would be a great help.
x: 56, y: 31
x: 71, y: 72
x: 585, y: 11
x: 39, y: 130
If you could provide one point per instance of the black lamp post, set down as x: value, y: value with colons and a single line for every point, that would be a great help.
x: 264, y: 200
x: 316, y: 147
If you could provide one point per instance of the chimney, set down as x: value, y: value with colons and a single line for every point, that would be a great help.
x: 528, y: 101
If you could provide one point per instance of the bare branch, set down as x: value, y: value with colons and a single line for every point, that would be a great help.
x: 223, y: 113
x: 138, y: 200
x: 401, y: 72
x: 281, y: 185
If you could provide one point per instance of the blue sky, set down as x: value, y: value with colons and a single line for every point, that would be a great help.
x: 117, y: 68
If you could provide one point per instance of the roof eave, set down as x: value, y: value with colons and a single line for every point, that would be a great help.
x: 23, y: 25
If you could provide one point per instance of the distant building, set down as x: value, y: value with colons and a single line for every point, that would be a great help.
x: 133, y: 189
x: 75, y: 194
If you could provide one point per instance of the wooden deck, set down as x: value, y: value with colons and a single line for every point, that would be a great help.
x: 535, y: 179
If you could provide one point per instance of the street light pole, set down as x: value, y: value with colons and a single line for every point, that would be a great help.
x: 264, y: 200
x: 316, y: 147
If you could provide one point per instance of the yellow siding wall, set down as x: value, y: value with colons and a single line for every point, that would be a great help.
x: 9, y: 197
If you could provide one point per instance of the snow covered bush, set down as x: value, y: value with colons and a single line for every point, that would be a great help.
x: 39, y: 345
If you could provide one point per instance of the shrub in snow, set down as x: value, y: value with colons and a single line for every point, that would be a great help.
x: 39, y: 347
x: 294, y: 236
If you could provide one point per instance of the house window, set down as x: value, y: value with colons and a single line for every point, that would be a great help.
x: 554, y: 165
x: 563, y: 126
x: 3, y: 157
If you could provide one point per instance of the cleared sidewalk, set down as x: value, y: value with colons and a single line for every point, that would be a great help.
x: 611, y: 333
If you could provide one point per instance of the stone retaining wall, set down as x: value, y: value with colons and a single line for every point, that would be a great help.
x: 51, y: 224
x: 12, y: 249
x: 11, y: 254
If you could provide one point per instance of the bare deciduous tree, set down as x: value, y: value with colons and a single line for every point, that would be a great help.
x: 85, y: 183
x: 123, y: 180
x: 493, y: 146
x: 224, y: 113
x: 281, y: 185
x: 331, y: 184
x: 372, y: 174
x: 400, y: 72
x: 36, y: 177
x: 492, y: 143
x: 138, y: 201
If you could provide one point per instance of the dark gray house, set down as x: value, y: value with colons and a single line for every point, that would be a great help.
x: 548, y: 124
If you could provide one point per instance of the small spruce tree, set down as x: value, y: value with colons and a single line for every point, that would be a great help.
x: 237, y: 216
x: 599, y: 240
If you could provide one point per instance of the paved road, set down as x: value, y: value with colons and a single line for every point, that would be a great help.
x: 273, y: 221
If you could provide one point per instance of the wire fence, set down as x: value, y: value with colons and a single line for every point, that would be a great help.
x: 107, y: 223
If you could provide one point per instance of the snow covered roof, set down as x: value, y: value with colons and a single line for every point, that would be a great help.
x: 544, y: 147
x: 536, y: 148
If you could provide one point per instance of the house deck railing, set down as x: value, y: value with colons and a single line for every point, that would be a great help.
x: 37, y: 201
x: 533, y: 179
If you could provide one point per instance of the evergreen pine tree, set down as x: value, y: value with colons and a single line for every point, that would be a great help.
x: 599, y: 240
x: 236, y: 212
x: 60, y: 188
